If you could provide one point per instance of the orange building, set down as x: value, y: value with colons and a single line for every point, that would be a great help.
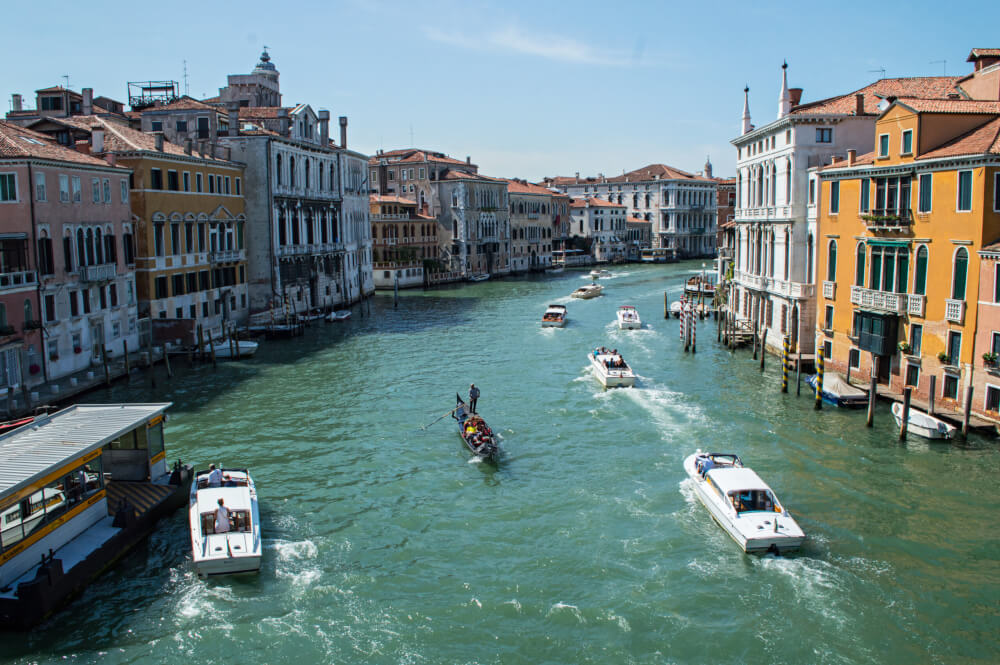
x: 404, y: 241
x: 900, y: 231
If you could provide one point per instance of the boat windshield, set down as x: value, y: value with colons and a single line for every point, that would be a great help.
x: 745, y: 501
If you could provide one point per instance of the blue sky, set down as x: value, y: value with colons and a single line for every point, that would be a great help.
x: 527, y: 89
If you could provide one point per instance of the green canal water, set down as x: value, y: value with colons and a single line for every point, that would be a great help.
x: 384, y: 543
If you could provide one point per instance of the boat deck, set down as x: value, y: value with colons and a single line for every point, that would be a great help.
x: 142, y: 496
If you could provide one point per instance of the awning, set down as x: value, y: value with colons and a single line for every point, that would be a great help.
x: 887, y: 243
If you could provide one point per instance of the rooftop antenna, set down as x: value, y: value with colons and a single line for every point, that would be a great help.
x: 187, y: 88
x: 944, y: 66
x: 880, y: 70
x: 66, y: 76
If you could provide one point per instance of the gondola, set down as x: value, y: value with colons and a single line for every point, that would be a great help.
x: 481, y: 442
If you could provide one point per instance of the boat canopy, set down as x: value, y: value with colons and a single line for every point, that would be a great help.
x: 736, y: 479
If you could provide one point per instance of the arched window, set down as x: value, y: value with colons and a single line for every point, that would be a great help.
x: 81, y: 249
x: 760, y: 187
x: 788, y: 181
x: 959, y: 274
x: 306, y: 183
x: 291, y: 171
x: 98, y: 247
x: 278, y: 169
x: 770, y: 254
x: 859, y: 266
x: 920, y: 275
x: 788, y: 250
x: 774, y: 183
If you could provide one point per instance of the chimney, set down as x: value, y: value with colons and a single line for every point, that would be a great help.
x: 468, y: 160
x: 234, y: 118
x: 578, y: 177
x: 201, y: 148
x: 110, y: 158
x: 187, y: 146
x: 852, y: 154
x: 324, y: 128
x: 87, y: 107
x: 343, y: 132
x: 96, y: 139
x: 284, y: 122
x: 833, y: 159
x: 859, y: 104
x: 159, y: 141
x: 82, y: 147
x: 16, y: 102
x: 796, y: 95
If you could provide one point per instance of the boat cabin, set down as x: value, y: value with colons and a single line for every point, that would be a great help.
x: 743, y: 489
x: 57, y: 474
x: 238, y: 502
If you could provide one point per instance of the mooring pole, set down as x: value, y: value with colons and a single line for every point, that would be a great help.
x: 930, y: 395
x: 872, y: 392
x: 694, y: 335
x: 166, y: 359
x: 968, y: 410
x: 819, y: 380
x: 763, y: 336
x: 784, y: 365
x: 905, y: 421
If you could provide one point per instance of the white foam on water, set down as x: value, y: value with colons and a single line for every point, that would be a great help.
x: 293, y: 550
x: 513, y: 602
x: 475, y: 601
x: 621, y: 621
x: 670, y: 410
x: 561, y: 608
x: 816, y: 583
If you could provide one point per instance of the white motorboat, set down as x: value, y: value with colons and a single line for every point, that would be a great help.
x: 923, y: 424
x: 839, y: 392
x: 238, y: 549
x: 588, y: 291
x: 482, y: 277
x: 675, y: 309
x: 597, y: 274
x: 554, y: 317
x: 628, y: 318
x: 223, y: 350
x: 611, y: 369
x: 339, y: 315
x: 742, y: 503
x: 554, y: 270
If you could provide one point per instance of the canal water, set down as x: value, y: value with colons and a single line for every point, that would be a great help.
x: 385, y: 543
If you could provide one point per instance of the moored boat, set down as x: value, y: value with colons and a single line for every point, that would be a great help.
x: 554, y: 270
x: 628, y: 318
x: 223, y: 350
x: 923, y: 424
x: 675, y: 309
x: 554, y: 317
x: 587, y: 292
x: 742, y: 503
x: 475, y: 433
x: 700, y: 286
x: 481, y: 277
x: 228, y: 543
x: 839, y: 392
x: 339, y: 315
x: 611, y: 369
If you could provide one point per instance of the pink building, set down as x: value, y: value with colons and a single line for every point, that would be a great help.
x: 67, y: 287
x: 986, y: 354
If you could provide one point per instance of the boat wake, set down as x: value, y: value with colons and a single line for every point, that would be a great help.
x: 670, y: 410
x: 295, y: 561
x: 564, y: 609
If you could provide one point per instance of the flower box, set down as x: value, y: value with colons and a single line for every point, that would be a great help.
x: 34, y: 369
x: 77, y: 349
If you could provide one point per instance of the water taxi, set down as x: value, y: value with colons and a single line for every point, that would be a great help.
x: 475, y: 433
x: 628, y: 318
x: 742, y: 503
x: 587, y: 292
x: 231, y: 544
x: 923, y: 424
x: 554, y: 317
x: 611, y: 369
x: 597, y: 274
x: 78, y: 489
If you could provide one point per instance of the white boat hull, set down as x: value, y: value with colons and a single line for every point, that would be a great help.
x: 554, y: 324
x: 611, y: 378
x: 223, y: 352
x: 755, y: 532
x: 588, y: 292
x: 238, y: 550
x: 634, y: 324
x: 923, y: 424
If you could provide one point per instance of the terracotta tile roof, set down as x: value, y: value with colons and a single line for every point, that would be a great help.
x: 983, y: 52
x: 413, y: 155
x: 58, y: 88
x: 927, y: 87
x: 18, y: 142
x: 518, y: 187
x: 452, y: 174
x: 390, y: 198
x: 212, y: 100
x: 950, y: 105
x: 261, y: 111
x: 638, y: 220
x: 980, y: 141
x: 866, y: 159
x: 646, y: 173
x: 121, y: 138
x: 184, y: 103
x: 594, y: 203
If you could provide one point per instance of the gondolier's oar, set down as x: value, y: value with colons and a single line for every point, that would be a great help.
x: 441, y: 416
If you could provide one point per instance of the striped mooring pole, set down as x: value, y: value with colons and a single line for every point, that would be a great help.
x: 819, y: 379
x: 784, y: 364
x: 694, y: 333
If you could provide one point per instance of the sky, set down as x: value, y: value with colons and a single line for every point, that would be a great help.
x: 527, y: 89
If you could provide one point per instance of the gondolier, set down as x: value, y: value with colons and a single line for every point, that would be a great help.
x: 473, y: 397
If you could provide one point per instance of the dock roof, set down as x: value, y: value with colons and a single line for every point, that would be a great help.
x: 30, y: 452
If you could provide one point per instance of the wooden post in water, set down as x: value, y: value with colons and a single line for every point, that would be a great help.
x: 798, y: 375
x: 784, y: 364
x: 211, y: 346
x: 755, y: 340
x: 128, y: 369
x: 968, y: 411
x: 166, y: 359
x: 718, y: 326
x: 930, y: 395
x: 763, y: 336
x: 905, y: 421
x: 201, y: 343
x: 872, y: 392
x: 819, y: 381
x: 104, y: 361
x: 232, y: 350
x: 236, y: 334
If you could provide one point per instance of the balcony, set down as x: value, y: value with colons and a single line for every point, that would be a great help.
x: 226, y: 256
x: 880, y: 301
x: 394, y: 217
x: 750, y: 281
x: 829, y: 290
x: 915, y: 304
x: 16, y: 280
x: 102, y: 273
x: 887, y: 219
x: 954, y: 311
x: 725, y: 252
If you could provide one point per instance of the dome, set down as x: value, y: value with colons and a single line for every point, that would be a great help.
x: 265, y: 64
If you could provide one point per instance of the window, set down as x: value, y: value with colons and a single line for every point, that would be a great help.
x: 831, y: 265
x: 883, y: 145
x: 864, y: 198
x: 827, y: 349
x: 916, y: 338
x: 156, y: 126
x: 828, y: 318
x: 161, y: 287
x: 824, y: 135
x: 421, y: 173
x: 950, y: 386
x: 834, y: 197
x: 173, y: 183
x: 124, y: 188
x: 39, y: 186
x: 203, y: 128
x: 50, y: 307
x: 175, y: 238
x: 996, y: 282
x: 107, y: 190
x: 239, y: 187
x: 228, y: 182
x: 77, y: 189
x: 854, y: 358
x: 392, y: 174
x: 198, y: 184
x: 156, y: 179
x: 46, y: 265
x: 812, y: 192
x: 158, y: 238
x: 211, y: 184
x: 907, y: 147
x: 74, y: 307
x: 992, y: 398
x: 8, y: 187
x: 954, y: 347
x: 859, y: 266
x: 920, y: 276
x: 959, y: 271
x: 182, y: 125
x: 924, y: 205
x: 178, y: 284
x: 187, y: 181
x: 964, y: 191
x: 912, y: 375
x: 63, y: 188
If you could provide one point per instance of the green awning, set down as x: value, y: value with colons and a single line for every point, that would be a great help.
x: 887, y: 243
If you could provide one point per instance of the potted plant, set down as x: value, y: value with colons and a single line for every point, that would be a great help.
x: 77, y: 349
x: 904, y: 346
x: 990, y: 358
x: 34, y: 369
x: 943, y: 356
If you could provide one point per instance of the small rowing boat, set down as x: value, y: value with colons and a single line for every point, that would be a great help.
x: 245, y: 348
x: 923, y: 424
x: 482, y: 277
x: 476, y: 434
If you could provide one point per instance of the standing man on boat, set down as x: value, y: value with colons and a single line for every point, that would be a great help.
x: 473, y: 397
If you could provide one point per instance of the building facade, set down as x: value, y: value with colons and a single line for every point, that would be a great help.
x: 532, y: 220
x: 603, y: 223
x: 403, y: 241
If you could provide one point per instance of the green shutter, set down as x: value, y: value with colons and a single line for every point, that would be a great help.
x: 961, y: 267
x: 920, y: 278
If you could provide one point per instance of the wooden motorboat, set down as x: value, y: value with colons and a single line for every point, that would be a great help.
x: 587, y: 292
x: 339, y: 315
x: 554, y: 317
x: 742, y: 503
x: 628, y: 318
x: 475, y: 433
x: 223, y: 351
x: 481, y: 277
x: 611, y: 369
x: 700, y: 286
x: 237, y: 549
x: 839, y: 392
x: 923, y: 424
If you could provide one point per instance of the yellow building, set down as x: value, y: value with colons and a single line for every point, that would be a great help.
x: 898, y: 236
